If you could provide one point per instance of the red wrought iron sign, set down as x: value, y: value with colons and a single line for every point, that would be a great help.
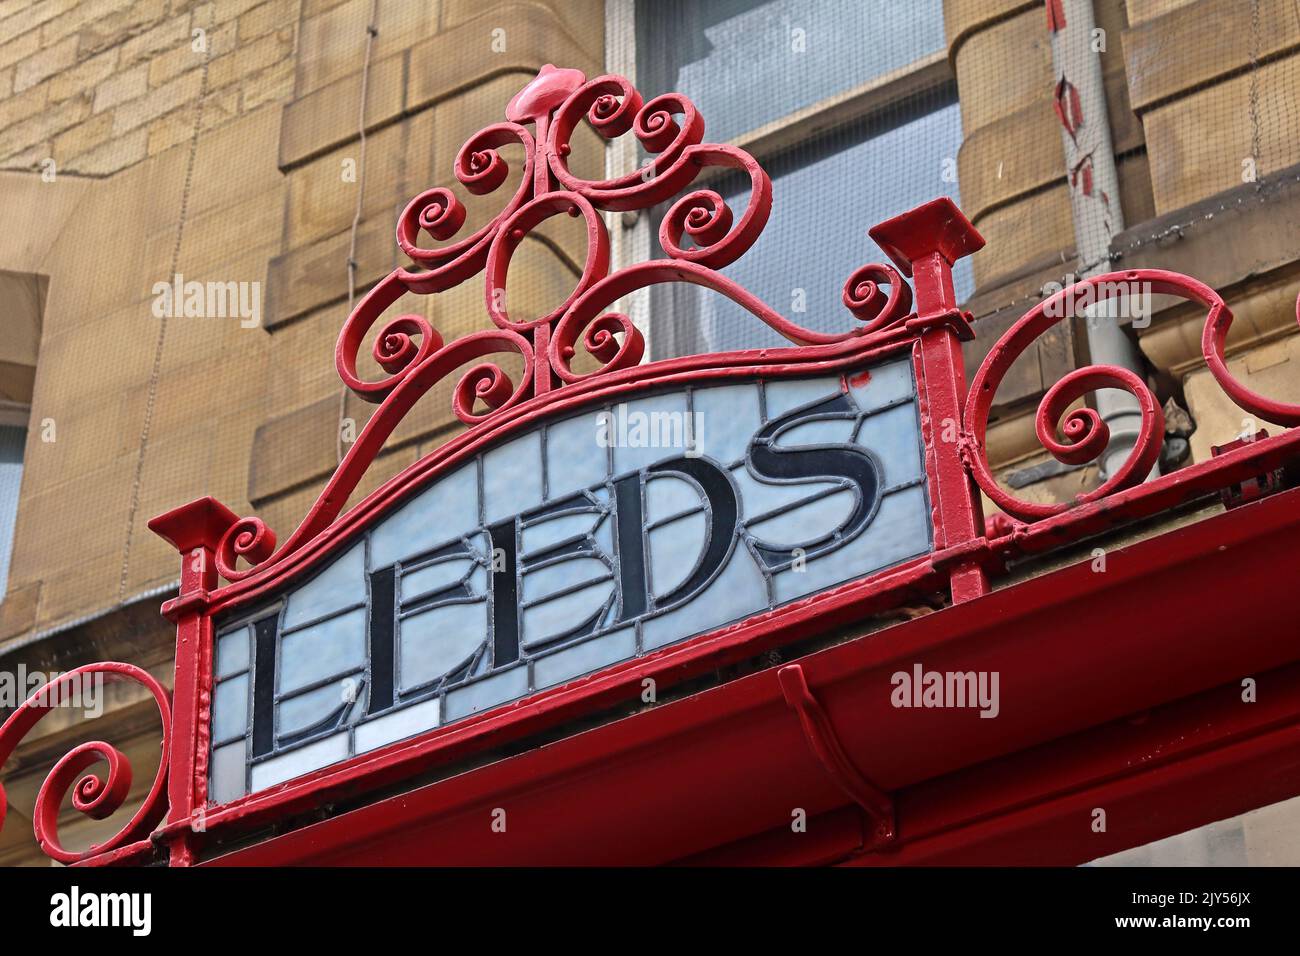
x: 540, y: 567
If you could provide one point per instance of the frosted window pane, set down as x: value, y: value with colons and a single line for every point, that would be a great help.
x: 737, y: 592
x: 815, y: 239
x: 648, y: 430
x: 584, y: 658
x: 436, y: 641
x: 816, y: 519
x: 883, y: 384
x: 674, y: 550
x: 398, y: 725
x: 561, y: 615
x: 435, y: 577
x: 668, y: 495
x: 341, y: 584
x: 232, y: 652
x: 226, y: 782
x: 551, y: 531
x: 895, y: 438
x: 726, y: 418
x: 441, y: 514
x: 512, y: 477
x: 482, y: 694
x: 733, y: 57
x: 303, y: 760
x: 230, y: 708
x: 574, y: 459
x: 324, y: 649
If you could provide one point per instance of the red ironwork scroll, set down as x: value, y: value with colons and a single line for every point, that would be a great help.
x: 92, y: 796
x: 1085, y: 434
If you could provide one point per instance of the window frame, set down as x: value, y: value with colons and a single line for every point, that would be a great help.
x: 13, y: 415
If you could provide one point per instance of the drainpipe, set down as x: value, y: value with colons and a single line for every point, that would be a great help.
x: 1080, y: 104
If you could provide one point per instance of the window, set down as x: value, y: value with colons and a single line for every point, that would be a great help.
x: 22, y: 305
x: 851, y: 107
x: 12, y: 440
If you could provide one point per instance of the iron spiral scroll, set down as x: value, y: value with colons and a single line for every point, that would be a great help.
x: 94, y: 796
x: 1086, y: 435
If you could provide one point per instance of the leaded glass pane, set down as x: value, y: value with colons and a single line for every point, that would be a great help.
x: 667, y: 496
x: 543, y: 534
x: 584, y: 657
x: 488, y: 692
x: 232, y: 652
x: 726, y: 418
x: 512, y: 478
x: 399, y: 724
x: 436, y: 577
x: 342, y: 584
x: 230, y: 708
x: 229, y: 765
x: 559, y: 616
x: 562, y: 576
x: 308, y: 709
x: 575, y: 459
x: 736, y: 593
x: 675, y: 549
x: 447, y: 510
x: 323, y: 650
x: 436, y: 642
x: 807, y: 522
x: 303, y: 760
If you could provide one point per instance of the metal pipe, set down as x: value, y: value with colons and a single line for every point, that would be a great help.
x: 1080, y: 96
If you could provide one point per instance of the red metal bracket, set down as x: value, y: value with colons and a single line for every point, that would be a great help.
x: 1252, y: 489
x: 819, y: 733
x: 955, y: 319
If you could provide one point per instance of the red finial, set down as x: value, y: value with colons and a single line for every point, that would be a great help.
x: 543, y: 94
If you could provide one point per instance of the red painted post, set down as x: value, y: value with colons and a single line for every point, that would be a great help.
x: 195, y: 530
x: 925, y: 242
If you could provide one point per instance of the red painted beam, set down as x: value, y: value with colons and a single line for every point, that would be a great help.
x: 1170, y: 618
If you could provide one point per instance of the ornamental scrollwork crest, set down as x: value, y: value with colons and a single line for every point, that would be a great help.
x: 700, y: 234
